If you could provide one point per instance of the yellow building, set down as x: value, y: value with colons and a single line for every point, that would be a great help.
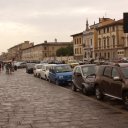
x: 90, y: 37
x: 110, y: 44
x: 78, y: 46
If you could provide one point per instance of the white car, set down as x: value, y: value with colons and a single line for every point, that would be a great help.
x: 37, y: 69
x: 44, y: 74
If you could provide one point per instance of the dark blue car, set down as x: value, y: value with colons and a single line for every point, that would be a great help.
x: 60, y: 74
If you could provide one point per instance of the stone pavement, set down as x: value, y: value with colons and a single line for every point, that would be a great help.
x: 29, y: 102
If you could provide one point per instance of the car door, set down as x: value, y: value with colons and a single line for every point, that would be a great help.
x: 77, y: 77
x: 42, y: 72
x: 52, y: 74
x: 116, y: 85
x: 105, y: 80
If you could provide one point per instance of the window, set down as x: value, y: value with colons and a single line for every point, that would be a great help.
x: 90, y: 42
x: 88, y: 70
x: 77, y: 70
x: 113, y: 28
x: 99, y: 31
x: 114, y: 72
x: 75, y: 41
x: 108, y: 55
x: 104, y: 30
x: 80, y: 51
x: 107, y: 72
x: 45, y: 48
x: 104, y: 43
x: 107, y: 29
x: 107, y: 42
x: 113, y: 38
x: 80, y: 40
x: 99, y: 43
x: 104, y: 55
x: 45, y: 54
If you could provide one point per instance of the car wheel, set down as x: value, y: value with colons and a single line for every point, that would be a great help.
x: 49, y: 80
x: 46, y: 78
x: 125, y: 99
x: 38, y: 75
x: 73, y: 87
x: 85, y: 91
x: 98, y: 93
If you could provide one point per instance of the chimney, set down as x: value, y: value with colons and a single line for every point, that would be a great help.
x: 45, y: 41
x: 55, y: 40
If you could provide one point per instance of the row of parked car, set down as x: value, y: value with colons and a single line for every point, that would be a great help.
x: 101, y: 80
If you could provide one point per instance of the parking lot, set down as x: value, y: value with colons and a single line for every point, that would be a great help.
x: 30, y: 102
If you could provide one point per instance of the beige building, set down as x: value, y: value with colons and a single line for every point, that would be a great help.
x: 78, y: 46
x: 15, y: 52
x: 90, y: 37
x: 43, y: 51
x: 111, y: 42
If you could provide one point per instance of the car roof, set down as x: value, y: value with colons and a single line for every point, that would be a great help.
x: 121, y: 64
x: 60, y: 65
x: 49, y: 64
x: 38, y: 64
x: 86, y: 65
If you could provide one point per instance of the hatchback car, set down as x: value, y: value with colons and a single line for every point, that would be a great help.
x: 84, y: 78
x: 30, y: 67
x: 112, y: 81
x: 37, y: 69
x: 45, y: 71
x: 60, y: 74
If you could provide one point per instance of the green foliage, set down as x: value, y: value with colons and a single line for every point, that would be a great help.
x: 67, y: 51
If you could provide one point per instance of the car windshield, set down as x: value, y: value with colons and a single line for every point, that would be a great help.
x: 125, y: 72
x: 39, y: 66
x: 88, y: 70
x: 64, y: 68
x: 48, y: 67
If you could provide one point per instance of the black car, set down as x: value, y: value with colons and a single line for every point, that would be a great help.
x: 112, y: 81
x: 29, y: 67
x: 84, y: 77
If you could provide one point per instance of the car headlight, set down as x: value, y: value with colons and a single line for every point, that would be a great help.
x: 61, y: 77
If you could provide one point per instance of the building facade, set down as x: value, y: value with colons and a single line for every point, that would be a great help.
x: 78, y: 46
x: 90, y: 37
x: 111, y: 42
x: 15, y: 52
x: 43, y: 51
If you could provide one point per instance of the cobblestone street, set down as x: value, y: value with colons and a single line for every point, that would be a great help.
x: 29, y: 102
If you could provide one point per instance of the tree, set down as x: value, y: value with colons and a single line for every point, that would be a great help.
x: 68, y: 51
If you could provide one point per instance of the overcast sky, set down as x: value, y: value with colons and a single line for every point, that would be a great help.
x: 39, y: 20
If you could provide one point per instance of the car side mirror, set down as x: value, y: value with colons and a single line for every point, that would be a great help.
x: 116, y: 78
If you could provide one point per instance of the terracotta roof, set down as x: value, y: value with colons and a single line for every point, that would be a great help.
x: 119, y: 22
x: 77, y: 34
